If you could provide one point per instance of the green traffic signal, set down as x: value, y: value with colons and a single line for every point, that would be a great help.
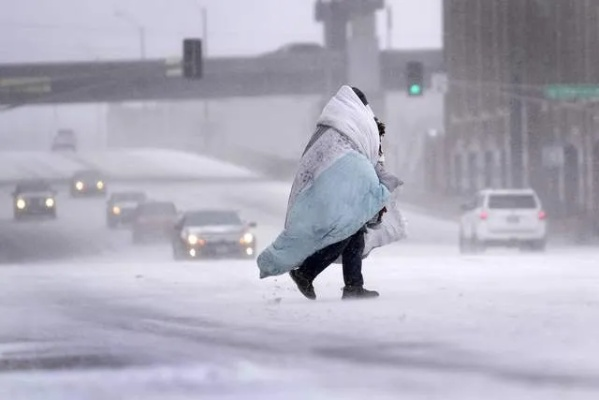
x: 415, y: 90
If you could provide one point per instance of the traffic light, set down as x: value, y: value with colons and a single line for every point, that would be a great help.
x: 415, y: 78
x: 192, y: 59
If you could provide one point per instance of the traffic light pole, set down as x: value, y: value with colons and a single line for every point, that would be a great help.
x: 517, y: 132
x: 518, y: 127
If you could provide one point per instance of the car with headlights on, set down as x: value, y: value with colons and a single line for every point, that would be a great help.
x: 121, y: 206
x: 34, y: 199
x: 88, y: 183
x: 153, y: 220
x: 213, y: 234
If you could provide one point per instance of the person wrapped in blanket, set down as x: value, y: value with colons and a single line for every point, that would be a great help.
x: 339, y: 201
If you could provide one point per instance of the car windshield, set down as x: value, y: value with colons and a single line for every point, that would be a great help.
x: 212, y: 218
x: 512, y: 201
x: 158, y: 209
x: 33, y: 186
x: 132, y: 196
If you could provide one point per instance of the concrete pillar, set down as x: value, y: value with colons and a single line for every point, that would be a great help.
x: 363, y: 53
x: 334, y: 16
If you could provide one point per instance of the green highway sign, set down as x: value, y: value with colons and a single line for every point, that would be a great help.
x: 571, y: 92
x: 29, y: 85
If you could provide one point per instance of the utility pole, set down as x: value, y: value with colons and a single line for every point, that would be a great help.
x: 389, y: 27
x: 205, y: 30
x: 517, y: 126
x: 142, y: 42
x: 141, y: 30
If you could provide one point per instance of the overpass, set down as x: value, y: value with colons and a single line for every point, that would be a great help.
x: 118, y: 81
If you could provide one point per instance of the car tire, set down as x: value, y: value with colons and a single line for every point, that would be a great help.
x: 538, y: 246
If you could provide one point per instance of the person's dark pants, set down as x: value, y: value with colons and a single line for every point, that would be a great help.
x: 350, y: 250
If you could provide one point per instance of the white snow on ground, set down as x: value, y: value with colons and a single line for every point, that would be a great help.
x: 152, y: 382
x: 494, y: 327
x: 32, y: 164
x: 117, y: 164
x: 160, y: 163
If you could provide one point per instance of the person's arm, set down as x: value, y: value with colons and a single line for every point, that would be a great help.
x: 390, y: 181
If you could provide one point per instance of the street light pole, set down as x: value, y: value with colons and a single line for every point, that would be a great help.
x: 206, y: 129
x: 205, y: 30
x: 141, y: 30
x: 142, y: 42
x: 204, y: 19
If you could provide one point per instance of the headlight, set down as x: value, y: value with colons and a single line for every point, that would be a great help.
x: 247, y: 238
x: 100, y: 185
x: 79, y: 185
x: 21, y: 204
x: 192, y: 239
x: 49, y: 202
x: 116, y: 210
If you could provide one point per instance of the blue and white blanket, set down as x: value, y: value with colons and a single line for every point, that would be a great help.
x: 336, y: 190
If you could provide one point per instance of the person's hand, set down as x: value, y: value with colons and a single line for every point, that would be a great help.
x: 381, y: 213
x: 381, y: 126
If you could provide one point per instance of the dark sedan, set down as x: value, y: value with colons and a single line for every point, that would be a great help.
x: 121, y: 206
x: 213, y: 233
x: 88, y: 183
x: 153, y: 220
x: 34, y: 199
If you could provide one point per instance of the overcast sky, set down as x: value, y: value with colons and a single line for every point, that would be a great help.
x: 53, y: 30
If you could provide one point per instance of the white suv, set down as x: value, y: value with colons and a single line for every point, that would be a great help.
x: 508, y: 217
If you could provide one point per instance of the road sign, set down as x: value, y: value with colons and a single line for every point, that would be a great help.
x: 571, y: 92
x: 173, y: 67
x: 33, y: 85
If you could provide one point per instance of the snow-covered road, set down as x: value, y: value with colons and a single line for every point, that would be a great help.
x: 86, y: 315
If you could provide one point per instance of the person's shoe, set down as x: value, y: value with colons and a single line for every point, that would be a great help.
x: 358, y: 292
x: 303, y: 284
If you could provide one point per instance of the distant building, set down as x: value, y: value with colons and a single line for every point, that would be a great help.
x: 508, y: 120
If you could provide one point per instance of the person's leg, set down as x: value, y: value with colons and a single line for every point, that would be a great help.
x: 352, y: 260
x: 313, y: 266
x: 352, y: 269
x: 319, y: 261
